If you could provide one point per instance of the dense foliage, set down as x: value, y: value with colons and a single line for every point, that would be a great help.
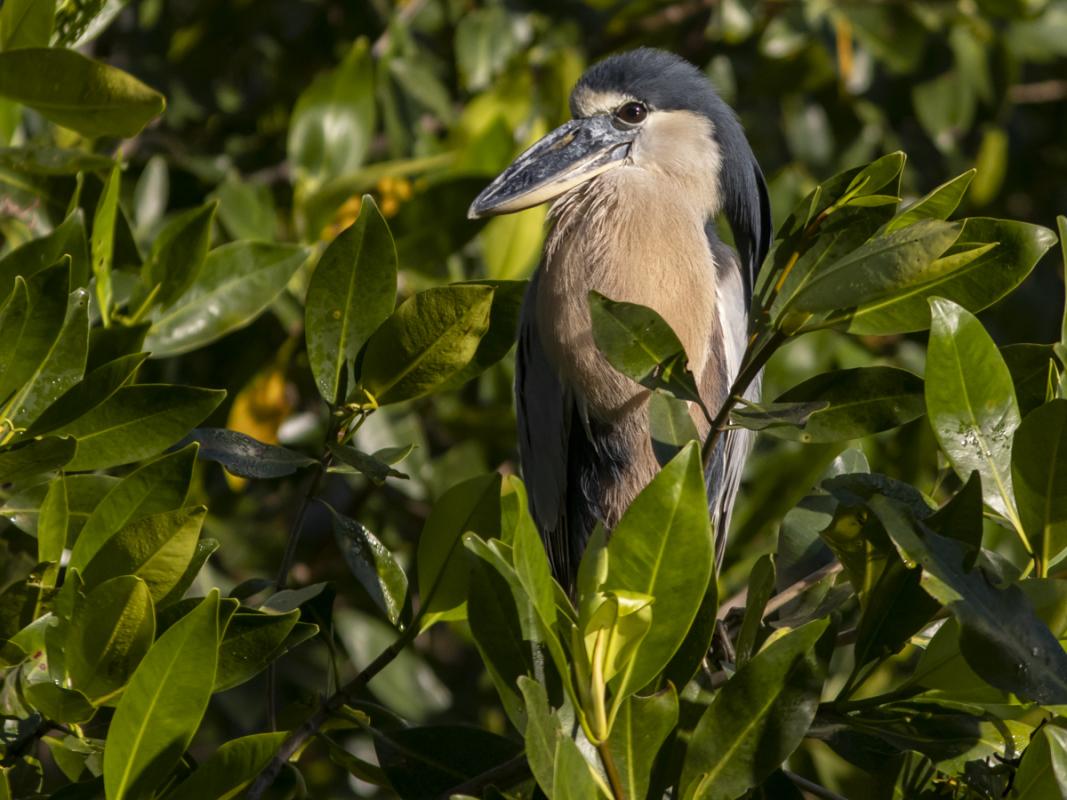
x: 263, y: 530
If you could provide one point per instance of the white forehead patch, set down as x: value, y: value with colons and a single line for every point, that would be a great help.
x: 588, y: 102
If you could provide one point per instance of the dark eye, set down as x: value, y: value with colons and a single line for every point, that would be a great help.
x: 632, y: 113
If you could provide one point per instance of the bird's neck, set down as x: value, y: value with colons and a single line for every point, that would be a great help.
x: 631, y: 237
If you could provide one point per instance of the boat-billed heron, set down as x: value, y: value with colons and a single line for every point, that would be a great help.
x: 636, y: 180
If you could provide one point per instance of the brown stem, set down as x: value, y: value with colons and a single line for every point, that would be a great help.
x: 791, y: 592
x: 299, y: 737
x: 614, y: 780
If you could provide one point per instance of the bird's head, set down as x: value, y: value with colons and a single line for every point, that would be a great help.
x: 646, y: 110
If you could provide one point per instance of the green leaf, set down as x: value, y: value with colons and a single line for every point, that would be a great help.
x: 88, y: 393
x: 334, y: 119
x: 204, y: 550
x: 29, y: 459
x: 485, y: 40
x: 236, y: 283
x: 352, y: 291
x: 157, y: 486
x: 428, y: 339
x: 760, y: 586
x: 374, y: 468
x: 26, y: 23
x: 52, y: 529
x: 372, y: 565
x: 939, y: 203
x: 1039, y: 475
x: 862, y: 401
x: 498, y: 339
x: 58, y: 703
x: 640, y: 729
x: 878, y: 269
x: 76, y: 92
x: 1043, y: 770
x: 163, y: 704
x: 137, y: 422
x: 972, y: 282
x: 151, y: 193
x: 244, y: 456
x: 66, y: 239
x: 511, y: 244
x: 30, y: 322
x: 111, y: 630
x: 253, y: 641
x: 673, y: 567
x: 1034, y: 371
x: 473, y: 505
x: 230, y: 769
x: 970, y: 401
x: 546, y: 746
x: 178, y: 253
x: 1002, y: 638
x: 639, y: 343
x: 156, y: 549
x: 61, y: 366
x: 759, y: 716
x: 103, y: 241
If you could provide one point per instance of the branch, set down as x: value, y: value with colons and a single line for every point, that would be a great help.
x: 791, y: 592
x: 299, y: 737
x: 501, y: 776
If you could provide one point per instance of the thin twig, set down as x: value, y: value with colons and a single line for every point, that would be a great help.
x: 299, y: 737
x: 611, y: 770
x: 812, y: 788
x: 501, y: 776
x: 791, y: 592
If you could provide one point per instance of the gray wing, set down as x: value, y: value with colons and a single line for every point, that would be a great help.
x: 544, y: 410
x: 723, y: 476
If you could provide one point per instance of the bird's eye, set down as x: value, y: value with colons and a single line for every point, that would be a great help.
x: 632, y: 113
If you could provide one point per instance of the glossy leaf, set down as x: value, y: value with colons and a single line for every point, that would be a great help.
x: 76, y: 92
x: 373, y: 467
x: 253, y: 641
x: 759, y: 716
x: 1033, y: 369
x: 352, y: 291
x: 498, y: 339
x: 473, y: 505
x: 971, y: 401
x: 861, y: 401
x: 244, y: 456
x: 428, y: 339
x: 103, y: 240
x: 163, y: 704
x: 1043, y: 771
x: 939, y: 203
x: 546, y: 744
x: 878, y: 269
x: 372, y: 565
x: 178, y: 252
x: 157, y: 486
x: 66, y: 239
x: 760, y: 587
x: 974, y: 283
x: 673, y: 567
x: 230, y: 769
x: 641, y: 727
x: 29, y: 459
x: 30, y: 322
x: 58, y: 702
x: 640, y: 344
x: 52, y: 529
x: 1039, y: 477
x: 157, y: 549
x: 110, y: 632
x: 236, y: 283
x: 1002, y: 638
x: 136, y: 422
x: 96, y: 387
x: 246, y: 210
x: 61, y: 366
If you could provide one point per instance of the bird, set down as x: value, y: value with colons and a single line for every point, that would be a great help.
x: 637, y: 178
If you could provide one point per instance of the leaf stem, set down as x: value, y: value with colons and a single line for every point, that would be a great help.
x: 612, y: 771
